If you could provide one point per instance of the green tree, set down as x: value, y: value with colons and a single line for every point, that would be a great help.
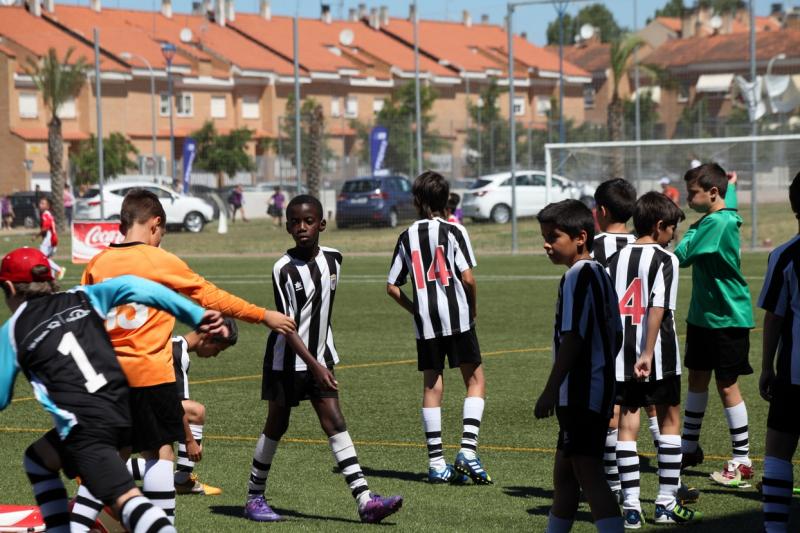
x: 222, y: 154
x: 648, y: 114
x: 621, y: 52
x: 673, y: 8
x: 58, y: 81
x: 597, y: 15
x: 118, y: 153
x: 488, y: 145
x: 722, y: 6
x: 287, y: 133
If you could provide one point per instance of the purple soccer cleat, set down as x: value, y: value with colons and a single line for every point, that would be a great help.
x: 378, y: 508
x: 258, y: 509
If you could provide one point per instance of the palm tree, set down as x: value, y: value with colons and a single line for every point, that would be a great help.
x: 316, y: 133
x: 58, y: 81
x: 621, y: 52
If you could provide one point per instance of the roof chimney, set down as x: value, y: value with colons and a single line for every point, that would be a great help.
x: 362, y: 11
x: 230, y: 13
x: 265, y: 9
x: 219, y: 12
x: 374, y: 20
x: 467, y: 18
x: 166, y: 8
x: 524, y: 35
x: 94, y: 4
x: 50, y: 6
x: 384, y: 15
x: 411, y: 12
x: 34, y: 8
x: 484, y: 18
x: 352, y: 15
x: 326, y: 15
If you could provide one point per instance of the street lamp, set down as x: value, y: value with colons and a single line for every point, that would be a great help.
x: 169, y: 50
x: 127, y: 56
x: 773, y: 59
x: 417, y: 105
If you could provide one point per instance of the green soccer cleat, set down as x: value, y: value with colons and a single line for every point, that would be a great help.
x: 677, y: 515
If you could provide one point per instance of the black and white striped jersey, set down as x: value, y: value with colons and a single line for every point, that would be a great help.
x: 607, y: 244
x: 587, y: 305
x: 181, y: 364
x: 646, y: 276
x: 780, y: 295
x: 305, y: 292
x: 435, y: 253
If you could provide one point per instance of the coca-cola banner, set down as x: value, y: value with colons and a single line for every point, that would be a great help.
x: 90, y: 237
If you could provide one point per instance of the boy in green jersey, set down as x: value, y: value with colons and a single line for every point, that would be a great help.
x: 720, y: 317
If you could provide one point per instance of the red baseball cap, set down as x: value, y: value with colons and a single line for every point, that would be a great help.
x: 17, y: 266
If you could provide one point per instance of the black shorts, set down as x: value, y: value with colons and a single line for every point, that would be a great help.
x: 157, y: 416
x: 665, y: 391
x: 726, y: 351
x: 581, y: 432
x: 460, y: 348
x: 782, y: 415
x: 93, y: 454
x: 288, y: 389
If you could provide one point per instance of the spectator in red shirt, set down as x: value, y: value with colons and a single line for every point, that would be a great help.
x: 670, y: 191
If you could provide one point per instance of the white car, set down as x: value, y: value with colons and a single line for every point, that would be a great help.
x: 489, y: 198
x: 188, y: 211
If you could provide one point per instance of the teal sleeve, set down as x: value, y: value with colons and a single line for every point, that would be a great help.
x: 131, y: 289
x: 8, y: 366
x: 731, y: 200
x: 702, y: 238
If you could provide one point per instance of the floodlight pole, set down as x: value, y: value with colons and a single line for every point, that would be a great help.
x: 637, y: 105
x: 753, y: 130
x: 99, y: 106
x: 297, y: 133
x: 128, y: 55
x: 417, y: 104
x: 169, y: 50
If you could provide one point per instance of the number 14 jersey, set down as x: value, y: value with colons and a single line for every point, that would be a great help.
x: 646, y: 276
x: 435, y: 253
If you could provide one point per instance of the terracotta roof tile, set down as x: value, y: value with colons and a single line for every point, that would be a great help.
x: 673, y: 23
x: 593, y: 57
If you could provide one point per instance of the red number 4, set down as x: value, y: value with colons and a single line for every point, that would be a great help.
x: 631, y: 302
x: 437, y: 270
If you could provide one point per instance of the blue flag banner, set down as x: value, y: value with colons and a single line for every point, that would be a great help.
x: 378, y: 143
x: 189, y: 149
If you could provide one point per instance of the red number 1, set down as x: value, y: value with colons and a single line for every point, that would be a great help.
x: 631, y: 302
x: 436, y: 270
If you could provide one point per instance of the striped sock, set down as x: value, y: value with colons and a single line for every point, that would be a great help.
x: 159, y: 486
x: 473, y: 412
x: 610, y: 460
x: 85, y: 511
x: 344, y: 453
x: 654, y: 431
x: 628, y: 461
x: 262, y: 461
x: 696, y: 403
x: 185, y: 466
x: 139, y: 515
x: 432, y: 422
x: 669, y: 470
x: 776, y: 493
x: 136, y: 466
x: 49, y: 491
x: 737, y: 425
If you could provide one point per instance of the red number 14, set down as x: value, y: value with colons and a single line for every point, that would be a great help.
x: 436, y: 270
x: 631, y: 302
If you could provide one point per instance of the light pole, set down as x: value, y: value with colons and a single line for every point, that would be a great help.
x: 417, y: 105
x: 638, y: 110
x: 297, y: 133
x: 126, y: 56
x: 98, y: 97
x: 169, y: 50
x: 772, y: 60
x: 753, y: 129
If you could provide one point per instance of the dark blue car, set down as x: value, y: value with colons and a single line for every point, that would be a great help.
x: 378, y: 201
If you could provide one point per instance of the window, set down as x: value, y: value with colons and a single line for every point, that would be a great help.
x: 184, y: 105
x: 521, y: 179
x: 217, y: 107
x: 351, y: 107
x: 542, y: 105
x: 405, y: 186
x: 683, y: 91
x: 519, y: 106
x: 336, y: 107
x: 28, y: 105
x: 163, y: 108
x: 67, y: 109
x: 161, y: 193
x: 250, y: 107
x: 588, y: 96
x: 377, y: 105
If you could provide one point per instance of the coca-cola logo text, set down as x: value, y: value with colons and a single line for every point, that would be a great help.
x: 97, y: 236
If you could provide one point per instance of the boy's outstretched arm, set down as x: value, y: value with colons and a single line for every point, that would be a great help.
x: 568, y: 352
x: 471, y: 288
x: 400, y: 297
x: 643, y: 367
x: 773, y: 325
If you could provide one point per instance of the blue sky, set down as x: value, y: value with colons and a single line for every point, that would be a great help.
x: 532, y: 19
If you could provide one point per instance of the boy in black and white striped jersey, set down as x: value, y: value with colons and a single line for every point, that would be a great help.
x: 780, y: 299
x: 438, y: 257
x: 305, y: 281
x: 580, y: 389
x: 648, y: 367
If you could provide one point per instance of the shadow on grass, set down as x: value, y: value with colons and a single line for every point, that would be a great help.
x: 235, y: 511
x: 547, y: 494
x: 395, y: 474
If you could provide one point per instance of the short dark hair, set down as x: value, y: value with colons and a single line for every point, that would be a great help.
x: 708, y: 175
x: 431, y: 193
x: 571, y: 217
x: 301, y: 199
x: 453, y: 201
x: 47, y: 199
x: 233, y: 333
x: 34, y: 289
x: 618, y: 196
x: 794, y: 195
x: 652, y: 207
x: 139, y: 206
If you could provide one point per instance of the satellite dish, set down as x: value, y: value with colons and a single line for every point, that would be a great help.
x: 587, y: 32
x: 716, y: 22
x: 186, y: 35
x: 8, y: 2
x: 346, y: 37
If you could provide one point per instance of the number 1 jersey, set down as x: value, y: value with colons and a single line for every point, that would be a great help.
x: 435, y: 254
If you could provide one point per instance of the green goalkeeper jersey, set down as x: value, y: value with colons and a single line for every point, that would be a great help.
x: 720, y: 296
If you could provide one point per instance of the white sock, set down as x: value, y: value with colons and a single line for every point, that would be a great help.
x: 136, y: 466
x: 473, y: 412
x: 628, y: 461
x: 695, y: 410
x: 262, y: 462
x: 737, y: 425
x: 609, y: 525
x: 776, y: 491
x: 139, y: 515
x: 669, y: 470
x: 85, y: 511
x: 558, y: 525
x: 654, y: 431
x: 344, y: 453
x: 184, y: 465
x: 432, y: 424
x: 49, y: 491
x: 158, y: 486
x: 610, y: 460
